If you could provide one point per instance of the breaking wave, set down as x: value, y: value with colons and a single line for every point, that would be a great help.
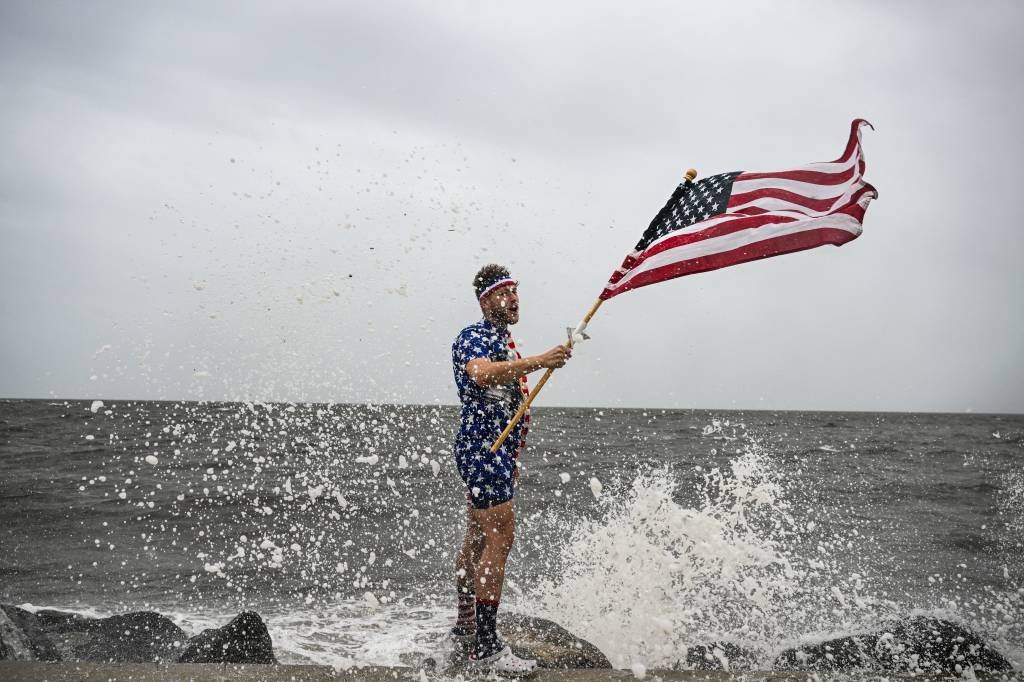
x: 740, y: 558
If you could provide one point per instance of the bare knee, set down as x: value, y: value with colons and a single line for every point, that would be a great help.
x: 497, y: 527
x: 502, y: 536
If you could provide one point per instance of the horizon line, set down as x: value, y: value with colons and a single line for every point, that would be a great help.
x: 370, y: 403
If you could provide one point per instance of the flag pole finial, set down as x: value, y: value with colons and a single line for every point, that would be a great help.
x: 691, y: 173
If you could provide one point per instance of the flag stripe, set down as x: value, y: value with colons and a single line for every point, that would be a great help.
x: 727, y: 225
x: 740, y: 238
x: 783, y: 197
x: 816, y: 175
x: 807, y: 189
x: 774, y: 205
x: 822, y: 173
x: 782, y: 206
x: 853, y: 143
x: 765, y: 248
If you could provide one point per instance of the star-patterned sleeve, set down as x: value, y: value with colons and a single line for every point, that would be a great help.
x: 470, y: 345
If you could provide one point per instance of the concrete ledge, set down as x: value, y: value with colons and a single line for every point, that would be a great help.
x: 15, y: 671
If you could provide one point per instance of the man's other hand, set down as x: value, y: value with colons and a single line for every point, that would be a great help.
x: 556, y: 357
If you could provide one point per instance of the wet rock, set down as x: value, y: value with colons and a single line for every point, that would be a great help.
x: 21, y: 638
x: 842, y: 653
x: 915, y: 645
x: 244, y: 640
x: 140, y: 637
x: 551, y: 645
x: 934, y: 645
x: 716, y: 656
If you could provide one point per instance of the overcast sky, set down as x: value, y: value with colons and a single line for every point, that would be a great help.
x: 288, y: 201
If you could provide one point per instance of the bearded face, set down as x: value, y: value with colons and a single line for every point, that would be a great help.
x: 501, y: 306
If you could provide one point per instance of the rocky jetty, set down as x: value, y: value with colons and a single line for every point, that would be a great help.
x: 912, y: 646
x: 142, y: 637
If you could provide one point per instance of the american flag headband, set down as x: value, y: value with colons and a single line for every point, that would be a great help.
x: 503, y: 282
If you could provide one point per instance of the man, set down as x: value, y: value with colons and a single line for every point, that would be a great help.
x: 490, y: 377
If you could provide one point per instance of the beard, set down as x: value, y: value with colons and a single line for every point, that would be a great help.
x: 504, y: 316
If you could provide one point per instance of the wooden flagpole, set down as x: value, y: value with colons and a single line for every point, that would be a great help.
x: 690, y: 175
x: 540, y: 384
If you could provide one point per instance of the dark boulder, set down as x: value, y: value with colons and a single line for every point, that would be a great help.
x: 244, y: 640
x: 842, y: 653
x: 914, y: 645
x: 21, y: 638
x: 934, y: 645
x: 551, y: 645
x: 140, y: 637
x: 547, y: 642
x: 717, y: 656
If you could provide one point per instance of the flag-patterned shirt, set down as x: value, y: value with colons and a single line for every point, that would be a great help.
x: 487, y: 410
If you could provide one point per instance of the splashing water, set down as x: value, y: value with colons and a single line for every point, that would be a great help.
x: 655, y: 576
x: 1011, y: 509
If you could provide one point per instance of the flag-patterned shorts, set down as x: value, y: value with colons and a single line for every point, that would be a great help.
x: 488, y: 477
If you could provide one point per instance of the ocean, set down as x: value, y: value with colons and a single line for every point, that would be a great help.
x: 642, y: 531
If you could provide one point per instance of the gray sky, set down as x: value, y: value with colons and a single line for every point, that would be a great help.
x: 289, y: 200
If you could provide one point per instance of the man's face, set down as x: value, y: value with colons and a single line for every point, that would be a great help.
x: 502, y: 305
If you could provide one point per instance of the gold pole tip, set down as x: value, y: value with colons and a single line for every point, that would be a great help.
x: 691, y: 174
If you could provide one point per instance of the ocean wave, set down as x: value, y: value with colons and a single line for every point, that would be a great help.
x: 654, y: 577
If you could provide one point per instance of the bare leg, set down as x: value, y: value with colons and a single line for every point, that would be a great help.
x: 498, y: 527
x: 465, y: 576
x: 469, y: 555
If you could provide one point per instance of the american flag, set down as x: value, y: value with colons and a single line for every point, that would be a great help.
x: 736, y: 217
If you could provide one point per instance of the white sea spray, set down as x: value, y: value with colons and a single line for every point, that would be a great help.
x: 653, y: 576
x: 1011, y: 509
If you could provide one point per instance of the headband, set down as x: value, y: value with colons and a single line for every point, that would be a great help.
x: 503, y: 282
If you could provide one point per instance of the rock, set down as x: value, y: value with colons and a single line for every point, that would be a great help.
x: 140, y: 637
x: 716, y: 656
x: 842, y: 653
x: 915, y: 645
x: 934, y: 645
x: 551, y: 645
x: 244, y: 640
x: 21, y: 638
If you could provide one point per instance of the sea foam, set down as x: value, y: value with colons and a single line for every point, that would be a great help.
x: 654, y: 576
